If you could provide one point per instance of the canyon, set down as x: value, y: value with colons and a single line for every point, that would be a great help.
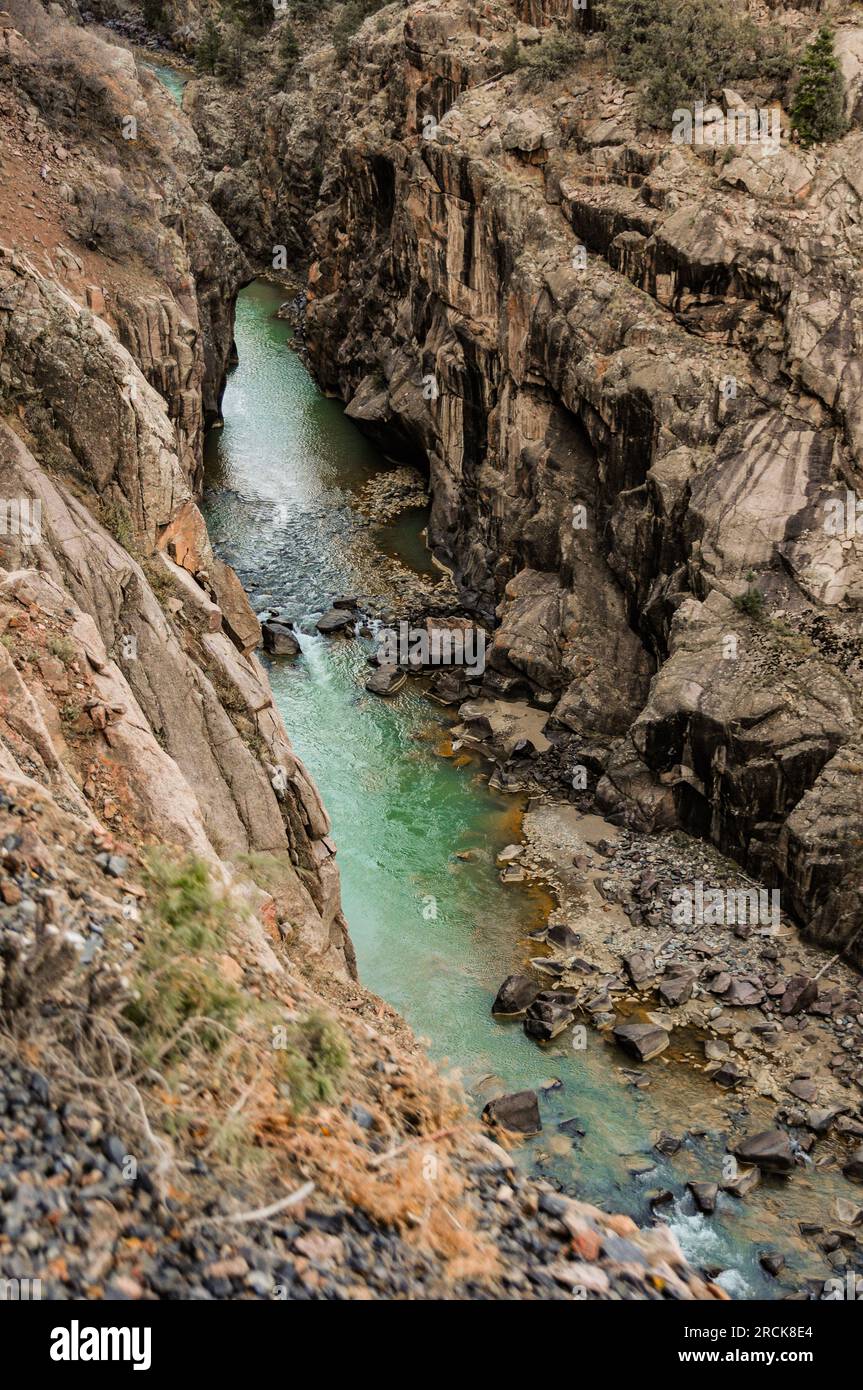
x: 627, y: 372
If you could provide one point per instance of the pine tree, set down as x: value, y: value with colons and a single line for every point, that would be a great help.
x: 209, y: 49
x: 818, y: 110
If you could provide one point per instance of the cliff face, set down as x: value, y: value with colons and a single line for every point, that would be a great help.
x: 151, y: 712
x: 632, y: 367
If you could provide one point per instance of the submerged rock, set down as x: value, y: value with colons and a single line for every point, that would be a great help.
x: 518, y: 1112
x: 279, y: 640
x: 387, y: 680
x: 335, y: 620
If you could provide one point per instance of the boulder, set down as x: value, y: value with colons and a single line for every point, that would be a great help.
x: 853, y: 1168
x: 387, y: 680
x: 335, y: 620
x: 642, y: 1040
x: 545, y: 1020
x: 640, y: 966
x: 800, y: 992
x: 279, y: 640
x: 770, y: 1151
x: 563, y: 936
x: 518, y: 1112
x: 675, y: 987
x: 704, y: 1195
x: 514, y: 995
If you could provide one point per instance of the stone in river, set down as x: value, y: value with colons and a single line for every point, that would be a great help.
x: 387, y: 680
x: 514, y: 995
x: 772, y: 1263
x: 770, y: 1150
x: 704, y: 1195
x: 518, y: 1112
x: 743, y: 1184
x: 643, y: 1040
x: 545, y: 1021
x: 279, y: 640
x: 853, y: 1169
x: 728, y: 1074
x: 335, y: 620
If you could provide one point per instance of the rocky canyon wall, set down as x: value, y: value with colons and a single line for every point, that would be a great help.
x: 632, y: 368
x: 131, y: 688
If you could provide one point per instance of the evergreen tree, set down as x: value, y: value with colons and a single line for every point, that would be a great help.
x: 818, y: 110
x: 289, y: 49
x: 209, y: 49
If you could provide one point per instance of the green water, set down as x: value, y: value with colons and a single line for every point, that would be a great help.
x: 170, y: 78
x: 435, y: 935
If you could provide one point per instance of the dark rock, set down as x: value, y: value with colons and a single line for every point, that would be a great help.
x: 387, y: 680
x: 728, y: 1074
x: 279, y: 640
x: 640, y: 966
x: 675, y: 987
x: 770, y: 1150
x: 335, y: 620
x: 642, y: 1040
x: 545, y: 1021
x: 772, y: 1263
x: 563, y: 936
x: 518, y: 1112
x: 800, y: 992
x: 515, y: 994
x: 853, y: 1168
x: 704, y: 1195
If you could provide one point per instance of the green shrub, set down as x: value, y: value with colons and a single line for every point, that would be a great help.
x: 177, y: 977
x: 231, y: 62
x: 549, y: 60
x: 750, y: 602
x: 254, y: 15
x: 349, y: 21
x: 511, y: 55
x: 818, y: 110
x: 682, y: 50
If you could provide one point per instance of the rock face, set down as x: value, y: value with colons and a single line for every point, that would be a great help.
x: 635, y: 453
x: 129, y: 687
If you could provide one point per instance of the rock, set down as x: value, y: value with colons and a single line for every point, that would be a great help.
x: 675, y: 987
x: 743, y: 1184
x: 704, y: 1195
x: 743, y: 994
x: 518, y: 1112
x: 772, y: 1263
x: 642, y: 1040
x: 804, y: 1090
x: 769, y: 1150
x: 279, y: 640
x: 514, y: 995
x: 335, y: 620
x: 387, y: 680
x: 563, y: 937
x: 511, y: 852
x: 545, y: 1021
x: 853, y: 1168
x: 728, y: 1074
x: 640, y: 966
x: 800, y: 992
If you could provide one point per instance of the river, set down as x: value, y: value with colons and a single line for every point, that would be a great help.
x: 435, y: 934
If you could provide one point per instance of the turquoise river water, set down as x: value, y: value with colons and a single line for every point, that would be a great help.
x: 436, y: 934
